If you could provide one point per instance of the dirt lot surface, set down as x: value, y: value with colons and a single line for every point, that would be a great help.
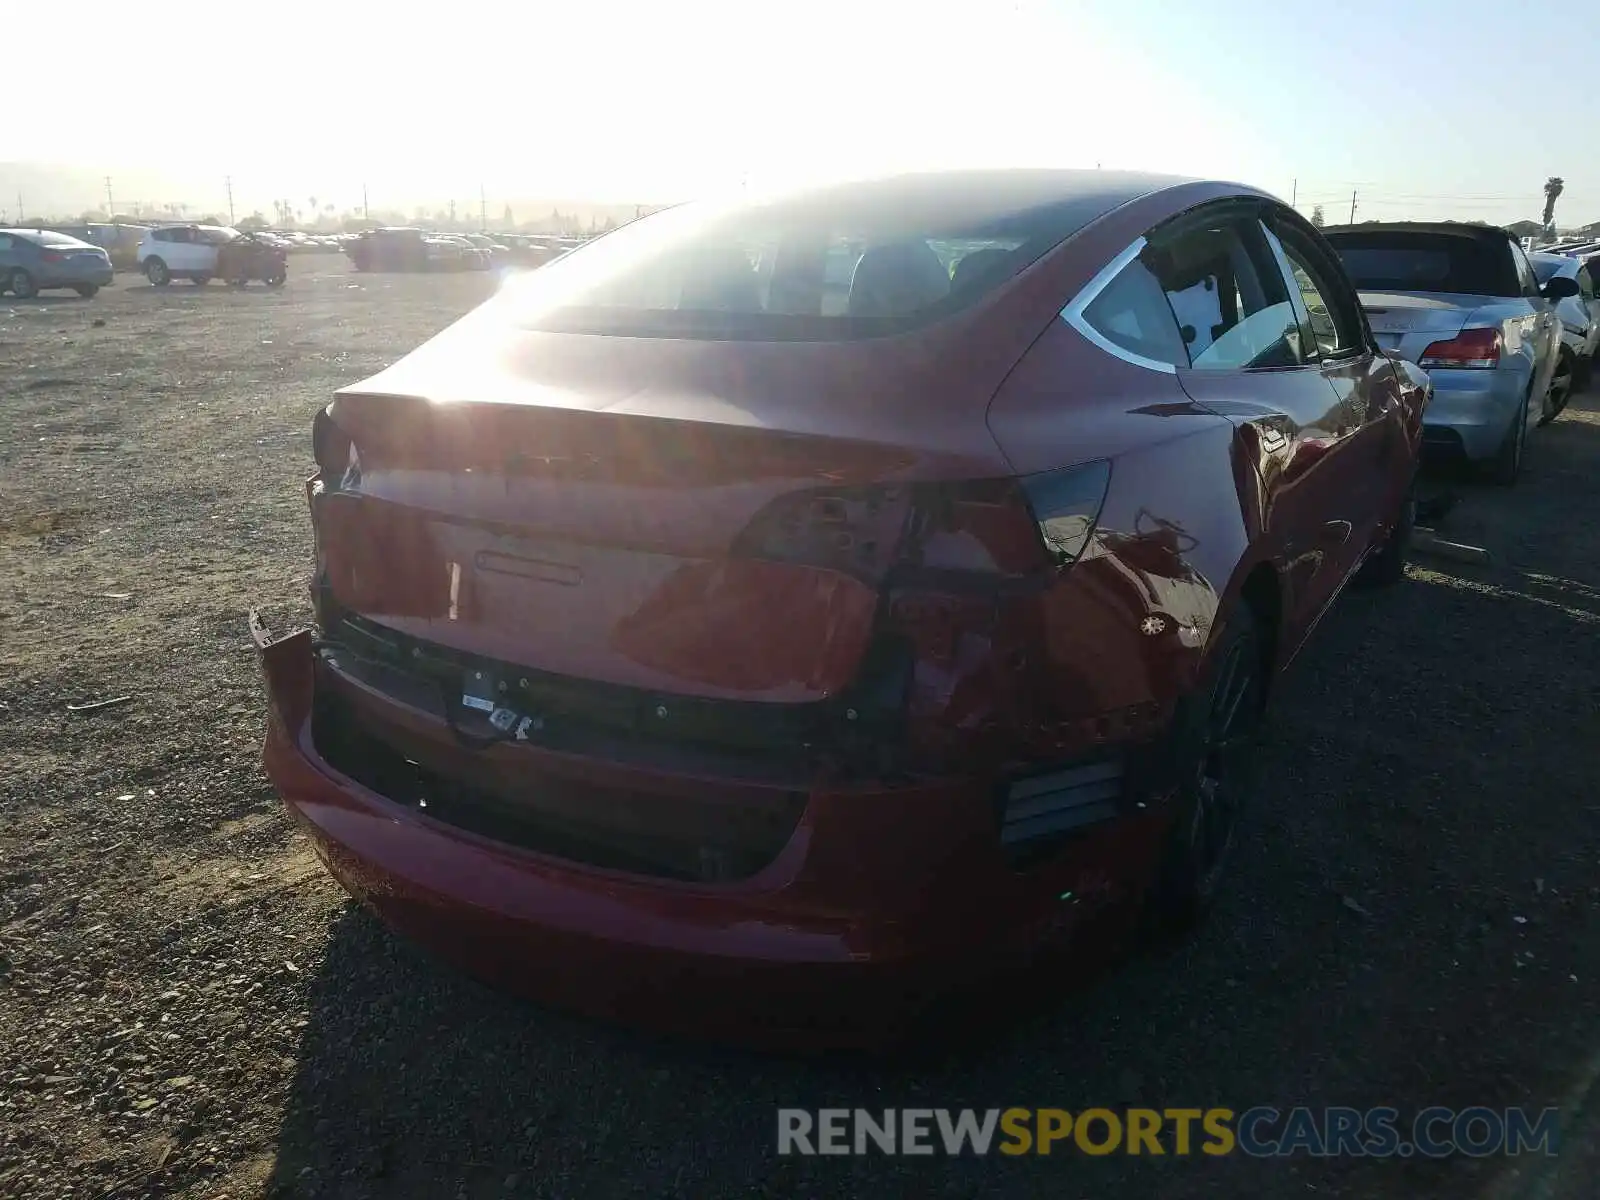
x: 188, y: 1007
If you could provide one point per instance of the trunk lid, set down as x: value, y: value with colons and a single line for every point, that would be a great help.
x: 703, y: 518
x: 1406, y: 323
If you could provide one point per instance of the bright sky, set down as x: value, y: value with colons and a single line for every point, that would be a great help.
x: 1423, y: 107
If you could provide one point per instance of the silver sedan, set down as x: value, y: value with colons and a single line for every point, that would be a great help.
x: 33, y: 260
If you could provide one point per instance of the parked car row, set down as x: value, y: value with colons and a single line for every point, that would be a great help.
x: 38, y: 259
x: 411, y: 248
x: 846, y: 600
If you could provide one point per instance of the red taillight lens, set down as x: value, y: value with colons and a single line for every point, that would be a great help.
x: 1471, y: 348
x: 50, y: 256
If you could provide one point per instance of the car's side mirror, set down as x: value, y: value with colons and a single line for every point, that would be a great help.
x: 1560, y: 288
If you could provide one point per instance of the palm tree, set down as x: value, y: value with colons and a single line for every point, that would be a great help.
x: 1553, y: 187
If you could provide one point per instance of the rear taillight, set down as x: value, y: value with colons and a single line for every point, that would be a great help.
x: 993, y: 527
x: 50, y: 256
x: 854, y: 530
x: 960, y: 566
x: 1471, y: 348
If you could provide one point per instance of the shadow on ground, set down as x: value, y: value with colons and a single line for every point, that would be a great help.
x: 1411, y: 922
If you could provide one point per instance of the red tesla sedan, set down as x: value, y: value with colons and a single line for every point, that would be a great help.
x: 775, y: 615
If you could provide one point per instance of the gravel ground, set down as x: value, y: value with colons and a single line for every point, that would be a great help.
x: 189, y: 1008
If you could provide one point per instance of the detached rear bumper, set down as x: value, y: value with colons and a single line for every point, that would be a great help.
x: 883, y: 904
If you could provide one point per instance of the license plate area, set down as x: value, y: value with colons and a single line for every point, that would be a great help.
x: 480, y: 691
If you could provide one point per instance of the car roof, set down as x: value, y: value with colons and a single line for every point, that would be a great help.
x: 970, y: 197
x: 35, y: 231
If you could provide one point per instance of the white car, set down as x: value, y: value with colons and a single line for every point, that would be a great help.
x: 181, y: 252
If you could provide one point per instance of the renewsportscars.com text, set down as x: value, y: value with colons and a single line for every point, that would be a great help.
x: 1260, y: 1132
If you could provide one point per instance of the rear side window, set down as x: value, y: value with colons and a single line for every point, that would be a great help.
x: 1132, y: 313
x: 6, y: 241
x: 1404, y: 261
x: 1209, y: 297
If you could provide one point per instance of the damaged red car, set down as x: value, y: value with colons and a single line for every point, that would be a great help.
x: 775, y: 616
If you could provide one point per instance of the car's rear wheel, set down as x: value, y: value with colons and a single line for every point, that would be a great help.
x: 1505, y: 468
x: 21, y: 284
x: 155, y: 270
x: 199, y: 280
x: 1561, y: 384
x: 87, y: 290
x: 1214, y: 740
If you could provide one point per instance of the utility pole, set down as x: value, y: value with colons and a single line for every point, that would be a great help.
x: 1294, y: 192
x: 483, y: 210
x: 228, y: 180
x: 366, y: 212
x: 1352, y: 220
x: 20, y: 209
x: 111, y: 208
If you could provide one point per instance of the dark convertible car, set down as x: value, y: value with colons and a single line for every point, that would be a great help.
x: 773, y: 619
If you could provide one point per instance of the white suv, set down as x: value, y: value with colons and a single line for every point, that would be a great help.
x: 181, y: 252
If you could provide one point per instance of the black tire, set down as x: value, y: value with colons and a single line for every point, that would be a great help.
x: 1561, y: 385
x: 199, y: 280
x: 21, y: 284
x: 1386, y: 566
x: 1505, y: 468
x: 157, y: 272
x: 277, y: 278
x: 1213, y: 755
x: 87, y: 290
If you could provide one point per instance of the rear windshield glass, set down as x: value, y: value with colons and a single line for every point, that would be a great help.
x: 827, y: 266
x: 1426, y: 262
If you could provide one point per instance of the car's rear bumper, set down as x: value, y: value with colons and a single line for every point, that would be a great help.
x: 1472, y: 410
x: 883, y: 903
